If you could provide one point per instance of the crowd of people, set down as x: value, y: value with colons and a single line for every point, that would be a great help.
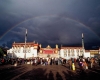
x: 83, y: 63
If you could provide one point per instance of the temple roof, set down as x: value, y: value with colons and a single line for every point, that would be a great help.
x: 87, y: 50
x: 28, y: 43
x: 48, y: 47
x: 70, y: 47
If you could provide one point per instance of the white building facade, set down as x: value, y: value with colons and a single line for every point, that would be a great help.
x: 49, y: 52
x: 22, y: 50
x: 31, y: 49
x: 87, y: 53
x: 71, y: 52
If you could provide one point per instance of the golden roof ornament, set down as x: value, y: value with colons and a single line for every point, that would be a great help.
x: 48, y: 46
x: 56, y: 46
x: 40, y: 45
x: 34, y: 41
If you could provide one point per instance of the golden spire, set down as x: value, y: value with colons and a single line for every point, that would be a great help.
x: 40, y: 45
x: 56, y: 46
x: 34, y: 41
x: 48, y: 46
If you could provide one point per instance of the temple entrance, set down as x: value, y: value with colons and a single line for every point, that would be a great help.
x: 48, y: 52
x: 48, y: 55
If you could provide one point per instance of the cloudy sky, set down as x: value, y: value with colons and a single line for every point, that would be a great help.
x: 50, y: 22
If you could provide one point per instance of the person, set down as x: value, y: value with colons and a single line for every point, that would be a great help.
x: 2, y: 61
x: 35, y: 61
x: 81, y: 65
x: 70, y: 64
x: 99, y: 61
x: 92, y: 62
x: 85, y: 66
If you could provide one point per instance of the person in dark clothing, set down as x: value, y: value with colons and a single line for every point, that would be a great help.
x: 99, y: 61
x: 70, y: 64
x: 51, y: 61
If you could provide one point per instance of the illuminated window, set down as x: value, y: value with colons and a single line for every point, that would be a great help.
x: 18, y: 51
x: 29, y: 50
x: 81, y: 52
x: 72, y: 51
x: 65, y: 54
x: 77, y: 52
x: 65, y: 51
x: 68, y: 52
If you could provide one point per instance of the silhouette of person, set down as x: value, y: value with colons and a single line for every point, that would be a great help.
x: 51, y: 76
x: 58, y: 76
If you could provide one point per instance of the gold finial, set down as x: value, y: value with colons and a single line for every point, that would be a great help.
x: 34, y: 41
x: 56, y: 46
x: 48, y: 46
x: 40, y: 45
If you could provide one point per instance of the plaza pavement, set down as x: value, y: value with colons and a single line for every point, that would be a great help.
x: 48, y: 72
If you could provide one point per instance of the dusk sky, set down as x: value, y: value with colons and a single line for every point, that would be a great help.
x: 50, y: 22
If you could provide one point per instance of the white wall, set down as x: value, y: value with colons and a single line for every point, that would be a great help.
x: 61, y: 53
x: 86, y: 54
x: 68, y: 57
x: 20, y: 54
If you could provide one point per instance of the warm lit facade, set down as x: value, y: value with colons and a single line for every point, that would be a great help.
x: 94, y: 53
x: 32, y: 49
x: 22, y: 50
x: 71, y: 52
x: 48, y: 52
x: 87, y: 53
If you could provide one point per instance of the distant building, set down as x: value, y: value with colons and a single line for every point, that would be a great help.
x: 71, y: 52
x: 99, y: 50
x: 94, y: 53
x: 48, y: 52
x: 87, y: 53
x: 22, y: 50
x: 32, y: 49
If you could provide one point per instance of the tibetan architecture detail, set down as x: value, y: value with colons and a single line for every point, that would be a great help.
x: 33, y: 49
x: 22, y: 50
x: 48, y: 51
x: 71, y: 52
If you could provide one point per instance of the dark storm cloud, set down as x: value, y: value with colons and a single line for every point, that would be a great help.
x: 47, y: 28
x: 52, y: 30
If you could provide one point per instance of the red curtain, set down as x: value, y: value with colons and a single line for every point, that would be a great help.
x: 48, y: 51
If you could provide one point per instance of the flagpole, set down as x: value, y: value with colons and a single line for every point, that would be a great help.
x: 25, y: 42
x: 82, y: 44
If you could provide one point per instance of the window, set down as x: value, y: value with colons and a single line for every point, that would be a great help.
x: 23, y: 50
x: 81, y: 52
x: 65, y: 54
x: 72, y: 51
x: 29, y: 50
x: 65, y: 51
x: 18, y: 51
x: 15, y: 51
x: 68, y: 52
x: 77, y: 52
